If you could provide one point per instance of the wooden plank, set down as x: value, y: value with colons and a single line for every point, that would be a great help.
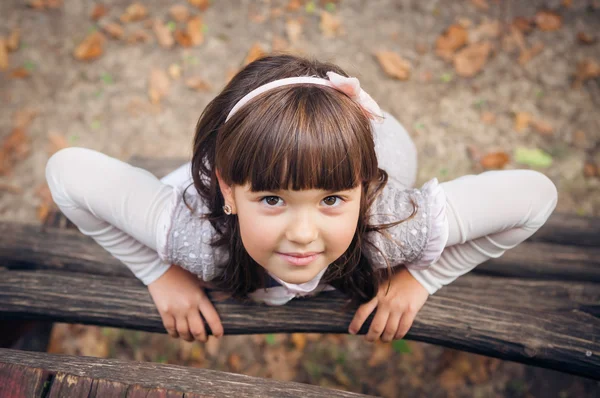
x: 565, y: 229
x: 67, y: 385
x: 18, y: 381
x: 105, y: 388
x: 155, y: 379
x: 25, y: 246
x: 544, y: 323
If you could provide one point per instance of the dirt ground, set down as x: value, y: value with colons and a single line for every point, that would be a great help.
x: 455, y: 122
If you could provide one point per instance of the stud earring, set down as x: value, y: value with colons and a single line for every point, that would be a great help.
x: 227, y: 209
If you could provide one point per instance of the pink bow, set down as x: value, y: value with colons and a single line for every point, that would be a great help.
x: 351, y: 87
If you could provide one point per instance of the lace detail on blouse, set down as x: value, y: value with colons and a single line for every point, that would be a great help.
x: 186, y: 241
x: 418, y: 242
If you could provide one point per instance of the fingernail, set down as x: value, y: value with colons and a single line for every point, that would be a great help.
x: 352, y: 331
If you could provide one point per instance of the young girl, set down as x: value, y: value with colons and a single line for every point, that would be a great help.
x: 300, y: 184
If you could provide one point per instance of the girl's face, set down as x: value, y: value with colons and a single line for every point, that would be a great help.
x: 272, y: 223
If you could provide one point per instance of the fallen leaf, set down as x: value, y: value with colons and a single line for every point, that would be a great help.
x: 57, y: 142
x: 98, y: 12
x: 12, y: 42
x: 531, y: 52
x: 586, y: 69
x: 139, y: 36
x: 158, y: 86
x: 235, y: 362
x: 547, y: 20
x: 194, y: 30
x: 481, y: 4
x: 255, y: 52
x: 183, y: 39
x: 201, y: 4
x: 522, y: 120
x: 488, y: 117
x: 494, y: 160
x: 470, y: 61
x: 393, y: 64
x: 342, y: 377
x: 381, y: 353
x: 485, y: 30
x: 3, y: 54
x: 523, y: 25
x: 197, y: 83
x: 23, y: 118
x: 585, y: 38
x: 579, y: 139
x: 299, y: 340
x: 16, y: 146
x: 114, y: 30
x: 91, y: 47
x: 455, y: 37
x: 134, y: 12
x: 279, y: 44
x: 175, y: 73
x: 542, y: 127
x: 293, y: 28
x: 330, y: 26
x: 294, y: 5
x: 276, y: 13
x: 19, y: 73
x: 179, y: 12
x: 256, y: 17
x: 281, y: 364
x: 163, y: 34
x: 44, y: 4
x: 532, y: 157
x: 566, y: 3
x: 590, y: 170
x: 6, y: 187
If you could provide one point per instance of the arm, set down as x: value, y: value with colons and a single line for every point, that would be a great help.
x: 488, y: 214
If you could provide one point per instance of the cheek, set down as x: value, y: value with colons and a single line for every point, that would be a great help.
x: 257, y: 236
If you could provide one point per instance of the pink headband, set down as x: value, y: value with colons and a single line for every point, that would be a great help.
x: 347, y: 85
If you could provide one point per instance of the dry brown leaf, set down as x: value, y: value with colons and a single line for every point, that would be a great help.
x: 179, y: 13
x: 194, y: 30
x: 57, y: 142
x: 23, y: 118
x: 566, y: 3
x: 470, y: 61
x: 585, y: 38
x: 163, y: 34
x: 90, y: 48
x: 590, y: 170
x: 158, y: 86
x: 342, y: 377
x: 486, y: 30
x: 139, y: 36
x: 524, y: 25
x: 488, y: 117
x: 421, y: 48
x: 114, y: 30
x: 294, y: 5
x: 542, y: 127
x: 42, y: 212
x: 279, y: 44
x: 3, y: 54
x: 44, y: 4
x: 256, y: 17
x: 174, y: 71
x: 481, y: 4
x: 586, y: 69
x: 293, y: 28
x: 19, y: 73
x: 15, y: 147
x: 182, y: 38
x: 98, y: 12
x: 330, y: 26
x: 547, y: 20
x: 201, y: 4
x: 299, y: 340
x: 381, y: 353
x: 494, y: 160
x: 522, y: 120
x: 197, y: 83
x: 12, y: 42
x: 394, y: 65
x: 235, y: 362
x: 276, y: 13
x: 531, y: 52
x: 134, y: 12
x: 455, y: 37
x: 255, y: 52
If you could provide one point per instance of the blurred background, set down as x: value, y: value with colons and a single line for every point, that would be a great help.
x: 479, y: 84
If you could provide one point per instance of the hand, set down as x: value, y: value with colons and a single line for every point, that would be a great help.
x: 180, y: 299
x: 396, y: 311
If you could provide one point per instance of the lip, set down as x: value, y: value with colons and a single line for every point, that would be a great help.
x: 294, y: 260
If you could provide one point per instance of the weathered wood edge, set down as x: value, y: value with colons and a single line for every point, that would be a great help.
x: 171, y: 377
x: 26, y: 246
x: 544, y: 323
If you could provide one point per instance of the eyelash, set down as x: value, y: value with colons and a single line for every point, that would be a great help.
x: 332, y: 196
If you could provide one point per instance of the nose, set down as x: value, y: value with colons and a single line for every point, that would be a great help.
x: 303, y: 228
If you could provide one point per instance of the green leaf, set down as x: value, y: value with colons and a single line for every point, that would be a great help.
x: 419, y: 125
x: 95, y: 124
x: 330, y: 7
x: 447, y: 77
x: 171, y: 25
x: 73, y: 138
x: 106, y: 78
x: 310, y: 7
x: 204, y: 28
x: 270, y: 339
x: 479, y: 103
x: 29, y: 65
x: 444, y: 172
x: 532, y: 157
x: 401, y: 346
x: 98, y: 93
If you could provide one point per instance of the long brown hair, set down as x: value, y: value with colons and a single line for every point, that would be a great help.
x: 291, y: 137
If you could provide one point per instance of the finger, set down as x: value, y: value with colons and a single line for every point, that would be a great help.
x: 404, y: 325
x: 169, y: 324
x: 197, y: 326
x: 361, y: 315
x: 391, y: 327
x: 183, y: 329
x: 378, y: 324
x: 212, y: 317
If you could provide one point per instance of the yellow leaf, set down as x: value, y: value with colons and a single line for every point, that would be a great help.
x: 522, y: 120
x: 91, y: 47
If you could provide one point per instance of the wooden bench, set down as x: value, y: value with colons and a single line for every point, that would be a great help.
x: 539, y: 304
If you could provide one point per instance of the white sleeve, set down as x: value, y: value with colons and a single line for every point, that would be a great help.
x: 121, y: 207
x: 488, y: 214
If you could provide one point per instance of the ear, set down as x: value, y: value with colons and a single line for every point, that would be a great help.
x: 227, y: 191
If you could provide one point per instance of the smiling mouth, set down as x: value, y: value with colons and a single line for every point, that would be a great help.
x: 299, y: 261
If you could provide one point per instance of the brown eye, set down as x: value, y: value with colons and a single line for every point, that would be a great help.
x: 271, y: 200
x: 331, y: 201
